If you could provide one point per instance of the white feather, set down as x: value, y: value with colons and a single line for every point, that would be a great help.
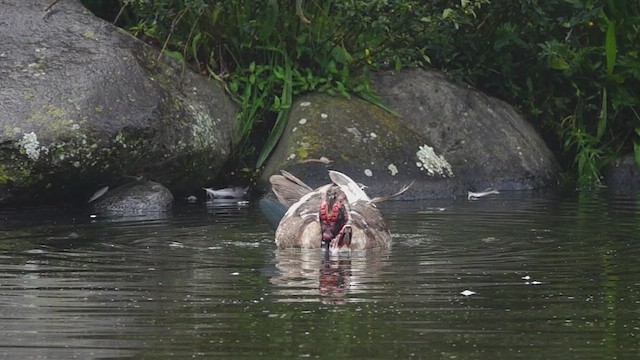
x: 350, y: 187
x: 98, y: 193
x: 227, y: 193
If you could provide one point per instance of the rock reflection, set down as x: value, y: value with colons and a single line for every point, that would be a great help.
x: 227, y: 207
x: 47, y: 313
x: 316, y: 275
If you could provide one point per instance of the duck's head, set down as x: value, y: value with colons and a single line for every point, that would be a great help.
x: 334, y: 215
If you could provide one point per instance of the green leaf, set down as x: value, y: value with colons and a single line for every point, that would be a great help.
x: 283, y: 115
x: 636, y: 150
x: 233, y: 86
x: 332, y: 68
x: 582, y: 160
x: 195, y: 42
x: 558, y: 63
x: 375, y: 100
x: 602, y: 122
x: 215, y: 12
x: 341, y: 55
x: 278, y: 72
x: 446, y: 13
x: 176, y: 55
x: 610, y: 46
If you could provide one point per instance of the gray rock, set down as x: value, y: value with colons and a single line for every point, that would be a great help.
x: 622, y: 175
x: 452, y: 140
x: 365, y: 142
x: 82, y: 103
x: 485, y: 140
x: 137, y: 198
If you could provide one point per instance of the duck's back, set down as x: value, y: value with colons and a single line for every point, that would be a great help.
x: 370, y: 229
x: 300, y: 226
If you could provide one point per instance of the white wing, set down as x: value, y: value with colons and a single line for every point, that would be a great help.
x: 350, y: 187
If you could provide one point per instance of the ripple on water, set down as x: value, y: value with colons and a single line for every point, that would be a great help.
x: 510, y: 275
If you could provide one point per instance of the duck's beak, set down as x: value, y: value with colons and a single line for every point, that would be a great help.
x: 344, y: 238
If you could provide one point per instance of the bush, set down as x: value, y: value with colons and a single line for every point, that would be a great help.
x: 267, y: 51
x: 571, y: 66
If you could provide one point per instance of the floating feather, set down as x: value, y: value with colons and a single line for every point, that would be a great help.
x: 476, y: 195
x: 227, y: 193
x: 387, y: 197
x: 98, y: 193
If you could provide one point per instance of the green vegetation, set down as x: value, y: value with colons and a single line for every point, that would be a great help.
x: 571, y: 66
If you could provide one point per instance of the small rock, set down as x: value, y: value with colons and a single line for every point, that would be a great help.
x: 135, y: 198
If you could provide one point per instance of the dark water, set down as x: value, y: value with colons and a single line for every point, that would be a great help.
x: 513, y: 276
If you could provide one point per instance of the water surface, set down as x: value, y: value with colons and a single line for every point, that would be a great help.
x: 512, y: 276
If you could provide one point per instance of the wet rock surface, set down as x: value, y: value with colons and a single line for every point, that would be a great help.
x: 135, y: 198
x: 448, y: 140
x: 83, y: 102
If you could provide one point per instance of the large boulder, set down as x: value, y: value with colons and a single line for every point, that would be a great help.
x: 486, y: 141
x: 622, y: 175
x: 364, y: 141
x: 450, y: 140
x: 83, y: 103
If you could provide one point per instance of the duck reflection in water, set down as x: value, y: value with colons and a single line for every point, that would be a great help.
x: 335, y: 277
x: 305, y: 275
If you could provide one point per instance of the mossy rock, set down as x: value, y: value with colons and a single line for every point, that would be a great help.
x: 485, y: 139
x: 136, y: 198
x: 364, y: 141
x: 84, y: 104
x: 450, y: 139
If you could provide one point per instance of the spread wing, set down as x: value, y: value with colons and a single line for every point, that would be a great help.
x: 288, y: 188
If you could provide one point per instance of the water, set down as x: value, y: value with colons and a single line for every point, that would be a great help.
x: 512, y: 276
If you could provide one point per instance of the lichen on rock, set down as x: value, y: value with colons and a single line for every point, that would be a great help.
x: 30, y: 145
x: 432, y: 163
x: 366, y: 142
x: 103, y: 107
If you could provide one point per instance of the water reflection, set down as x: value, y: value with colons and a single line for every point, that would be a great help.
x: 48, y: 305
x: 227, y: 206
x: 316, y: 275
x: 547, y: 278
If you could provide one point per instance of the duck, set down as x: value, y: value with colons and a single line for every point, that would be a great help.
x: 338, y: 216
